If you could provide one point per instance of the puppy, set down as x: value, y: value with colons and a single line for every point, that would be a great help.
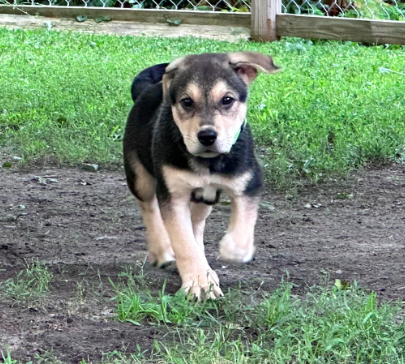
x: 186, y: 141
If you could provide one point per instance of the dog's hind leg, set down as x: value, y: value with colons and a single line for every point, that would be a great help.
x: 142, y: 184
x: 159, y: 246
x: 199, y: 212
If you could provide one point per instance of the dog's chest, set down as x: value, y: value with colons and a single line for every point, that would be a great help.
x: 203, y: 187
x: 209, y: 195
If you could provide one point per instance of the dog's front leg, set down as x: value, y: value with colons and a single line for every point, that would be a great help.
x: 198, y: 278
x: 199, y: 212
x: 238, y: 243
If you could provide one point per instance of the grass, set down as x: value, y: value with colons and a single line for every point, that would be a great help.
x: 7, y: 358
x: 339, y: 324
x: 336, y: 106
x: 29, y: 284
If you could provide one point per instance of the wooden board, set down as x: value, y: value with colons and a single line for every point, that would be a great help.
x: 230, y: 34
x: 134, y: 15
x: 263, y: 29
x: 356, y: 30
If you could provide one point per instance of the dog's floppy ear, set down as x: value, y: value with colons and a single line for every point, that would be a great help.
x: 170, y: 71
x: 247, y: 64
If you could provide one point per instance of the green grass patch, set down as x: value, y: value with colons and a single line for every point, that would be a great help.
x: 7, y: 358
x: 336, y: 106
x: 339, y: 324
x: 327, y: 325
x: 29, y: 284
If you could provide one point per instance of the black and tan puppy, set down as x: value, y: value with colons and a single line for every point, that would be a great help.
x: 186, y: 141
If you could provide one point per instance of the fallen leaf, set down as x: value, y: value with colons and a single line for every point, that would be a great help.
x: 81, y: 18
x: 174, y: 22
x: 90, y: 167
x: 48, y: 25
x: 342, y: 285
x: 102, y: 18
x: 40, y: 180
x: 10, y: 218
x: 268, y: 206
x: 344, y: 196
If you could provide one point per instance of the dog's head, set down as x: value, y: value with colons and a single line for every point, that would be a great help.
x: 208, y: 95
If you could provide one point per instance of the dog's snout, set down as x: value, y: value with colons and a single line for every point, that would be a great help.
x: 207, y: 137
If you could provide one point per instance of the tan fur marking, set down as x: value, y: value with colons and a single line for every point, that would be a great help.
x: 181, y: 182
x: 166, y: 82
x: 175, y: 64
x: 219, y: 90
x: 249, y: 63
x: 226, y: 122
x: 191, y: 261
x: 145, y: 184
x: 189, y: 123
x: 238, y: 243
x: 261, y: 62
x: 193, y: 91
x: 196, y: 275
x: 199, y: 212
x: 159, y: 246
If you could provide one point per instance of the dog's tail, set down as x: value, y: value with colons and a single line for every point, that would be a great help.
x: 146, y: 78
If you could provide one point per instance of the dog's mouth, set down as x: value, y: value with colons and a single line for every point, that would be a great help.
x: 207, y: 153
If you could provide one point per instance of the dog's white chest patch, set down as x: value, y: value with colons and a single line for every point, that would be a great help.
x: 204, y: 187
x: 208, y: 195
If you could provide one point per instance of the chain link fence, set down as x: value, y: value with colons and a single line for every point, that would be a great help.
x: 199, y: 5
x: 369, y: 9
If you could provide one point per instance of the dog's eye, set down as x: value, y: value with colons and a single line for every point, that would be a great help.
x: 227, y: 100
x: 187, y: 102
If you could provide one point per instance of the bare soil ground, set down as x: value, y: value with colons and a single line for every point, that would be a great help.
x: 123, y: 28
x: 86, y: 226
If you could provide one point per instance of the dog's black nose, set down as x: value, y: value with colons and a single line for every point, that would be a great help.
x: 207, y: 137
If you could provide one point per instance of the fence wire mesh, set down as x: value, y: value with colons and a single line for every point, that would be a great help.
x: 371, y: 9
x: 199, y: 5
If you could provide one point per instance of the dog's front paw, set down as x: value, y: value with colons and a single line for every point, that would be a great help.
x: 202, y: 286
x: 162, y: 258
x: 236, y: 249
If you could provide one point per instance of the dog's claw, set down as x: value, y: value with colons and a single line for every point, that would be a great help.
x: 203, y: 289
x: 203, y: 293
x: 161, y: 260
x: 165, y: 265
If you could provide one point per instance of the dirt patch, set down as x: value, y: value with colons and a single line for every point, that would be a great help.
x: 86, y: 226
x: 121, y: 28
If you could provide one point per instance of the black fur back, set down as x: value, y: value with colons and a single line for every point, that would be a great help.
x: 146, y: 78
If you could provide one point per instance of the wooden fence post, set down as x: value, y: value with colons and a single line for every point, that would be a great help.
x: 264, y: 14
